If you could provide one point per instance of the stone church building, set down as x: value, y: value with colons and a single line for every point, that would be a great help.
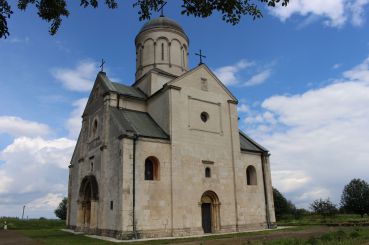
x: 164, y: 157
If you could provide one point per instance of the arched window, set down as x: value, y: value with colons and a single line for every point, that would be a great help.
x: 151, y: 168
x: 207, y: 172
x: 251, y: 175
x: 162, y: 51
x: 94, y: 128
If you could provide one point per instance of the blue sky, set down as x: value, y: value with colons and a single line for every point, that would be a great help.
x: 301, y: 75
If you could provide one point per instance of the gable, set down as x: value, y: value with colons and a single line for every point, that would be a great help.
x: 202, y: 78
x: 104, y: 85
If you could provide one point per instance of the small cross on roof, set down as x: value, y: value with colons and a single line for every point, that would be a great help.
x: 201, y: 56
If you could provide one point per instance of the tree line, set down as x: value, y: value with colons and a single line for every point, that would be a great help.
x: 354, y: 200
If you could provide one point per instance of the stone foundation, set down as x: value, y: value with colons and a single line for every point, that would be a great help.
x: 176, y: 233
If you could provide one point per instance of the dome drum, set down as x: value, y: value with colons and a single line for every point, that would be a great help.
x: 162, y: 44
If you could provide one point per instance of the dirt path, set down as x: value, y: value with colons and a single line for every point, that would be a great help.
x: 11, y: 237
x: 307, y: 233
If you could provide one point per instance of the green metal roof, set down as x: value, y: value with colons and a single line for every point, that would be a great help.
x: 119, y: 88
x: 138, y: 122
x: 248, y: 144
x: 128, y: 91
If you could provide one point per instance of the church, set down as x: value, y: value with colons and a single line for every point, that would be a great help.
x: 164, y: 157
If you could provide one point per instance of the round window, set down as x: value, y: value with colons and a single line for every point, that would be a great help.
x: 204, y: 116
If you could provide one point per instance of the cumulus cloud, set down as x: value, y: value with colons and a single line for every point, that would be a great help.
x: 75, y: 121
x: 32, y: 168
x: 80, y: 78
x: 16, y: 126
x: 318, y: 139
x: 335, y: 13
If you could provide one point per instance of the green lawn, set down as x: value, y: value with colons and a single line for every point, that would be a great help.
x: 49, y: 232
x: 313, y: 219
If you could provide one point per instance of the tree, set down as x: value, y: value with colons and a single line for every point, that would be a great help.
x: 324, y: 207
x: 355, y: 197
x: 281, y: 205
x: 53, y: 11
x: 61, y: 211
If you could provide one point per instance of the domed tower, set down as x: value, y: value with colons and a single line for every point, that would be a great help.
x: 162, y: 44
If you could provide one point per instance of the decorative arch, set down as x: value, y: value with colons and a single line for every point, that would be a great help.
x: 152, y: 168
x: 88, y: 198
x: 176, y: 52
x: 148, y: 52
x: 162, y: 50
x: 89, y: 188
x: 210, y: 212
x: 251, y: 175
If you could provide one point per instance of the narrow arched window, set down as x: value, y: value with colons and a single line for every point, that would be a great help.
x: 162, y: 51
x: 140, y: 63
x: 251, y: 175
x: 151, y: 168
x: 94, y: 128
x: 207, y: 172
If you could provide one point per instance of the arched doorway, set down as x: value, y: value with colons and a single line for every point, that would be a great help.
x: 210, y: 212
x: 88, y: 197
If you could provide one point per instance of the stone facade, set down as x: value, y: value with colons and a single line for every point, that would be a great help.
x: 165, y: 157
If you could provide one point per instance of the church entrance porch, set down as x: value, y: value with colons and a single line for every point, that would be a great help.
x: 87, y: 203
x: 210, y: 212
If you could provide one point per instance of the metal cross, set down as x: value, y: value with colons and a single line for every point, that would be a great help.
x: 201, y: 56
x: 102, y: 65
x: 161, y: 9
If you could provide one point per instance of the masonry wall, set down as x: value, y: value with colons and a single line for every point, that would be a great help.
x: 194, y: 142
x: 153, y: 197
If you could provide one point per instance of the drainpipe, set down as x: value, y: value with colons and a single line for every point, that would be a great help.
x: 267, y: 214
x: 135, y: 137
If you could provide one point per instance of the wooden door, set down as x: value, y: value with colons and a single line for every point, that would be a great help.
x: 206, y: 217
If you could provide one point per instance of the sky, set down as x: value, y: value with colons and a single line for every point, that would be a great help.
x: 301, y: 75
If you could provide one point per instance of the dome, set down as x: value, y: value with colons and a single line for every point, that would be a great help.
x: 162, y: 22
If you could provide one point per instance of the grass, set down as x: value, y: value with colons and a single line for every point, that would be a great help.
x: 351, y: 236
x: 32, y: 224
x: 313, y: 219
x: 49, y: 232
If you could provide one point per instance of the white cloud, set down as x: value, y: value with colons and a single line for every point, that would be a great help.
x: 358, y: 10
x: 50, y: 202
x: 75, y: 121
x: 229, y: 74
x: 16, y: 126
x: 243, y: 108
x: 17, y: 40
x: 336, y: 66
x: 258, y: 78
x: 233, y: 74
x: 78, y: 79
x: 319, y: 139
x: 290, y: 180
x: 334, y: 12
x: 33, y: 167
